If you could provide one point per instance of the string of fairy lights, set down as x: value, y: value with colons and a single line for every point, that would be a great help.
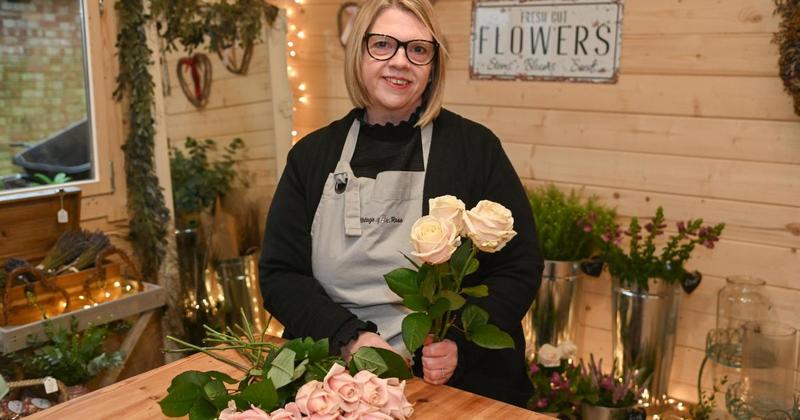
x: 293, y: 37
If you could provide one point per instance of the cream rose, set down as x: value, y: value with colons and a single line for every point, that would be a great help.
x: 567, y: 349
x: 434, y: 240
x: 489, y: 225
x: 289, y: 412
x: 373, y: 389
x: 548, y: 356
x: 448, y: 207
x: 339, y: 382
x: 254, y: 413
x: 398, y: 406
x: 312, y: 398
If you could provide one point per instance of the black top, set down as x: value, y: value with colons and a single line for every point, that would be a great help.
x: 466, y: 160
x: 387, y: 147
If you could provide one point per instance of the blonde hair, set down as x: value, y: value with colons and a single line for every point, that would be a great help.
x: 355, y: 51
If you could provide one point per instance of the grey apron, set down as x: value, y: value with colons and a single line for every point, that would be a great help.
x: 359, y: 230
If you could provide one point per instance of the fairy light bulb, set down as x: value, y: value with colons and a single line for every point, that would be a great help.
x: 294, y: 133
x: 303, y: 100
x: 292, y: 53
x: 292, y: 27
x: 290, y: 44
x: 289, y: 12
x: 302, y: 87
x: 301, y: 35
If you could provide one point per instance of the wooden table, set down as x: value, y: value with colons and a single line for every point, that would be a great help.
x: 137, y: 398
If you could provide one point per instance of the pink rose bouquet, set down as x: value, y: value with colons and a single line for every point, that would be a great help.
x: 339, y: 396
x: 445, y: 242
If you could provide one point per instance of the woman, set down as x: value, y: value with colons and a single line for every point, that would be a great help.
x: 343, y: 209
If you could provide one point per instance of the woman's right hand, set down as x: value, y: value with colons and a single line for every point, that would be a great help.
x: 365, y: 339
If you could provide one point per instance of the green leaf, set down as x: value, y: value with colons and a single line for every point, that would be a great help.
x: 194, y: 377
x: 367, y: 358
x: 472, y: 267
x: 416, y: 302
x: 300, y: 347
x: 214, y: 390
x: 414, y: 263
x: 439, y: 308
x: 221, y: 377
x: 481, y: 290
x: 300, y: 370
x: 3, y: 387
x: 473, y: 316
x: 396, y: 365
x: 491, y: 337
x: 428, y: 287
x: 415, y: 328
x: 455, y: 300
x: 261, y: 394
x: 282, y: 369
x: 319, y: 350
x: 460, y: 256
x: 180, y: 399
x: 402, y: 281
x: 203, y: 410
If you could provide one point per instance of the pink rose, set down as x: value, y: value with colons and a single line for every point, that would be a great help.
x: 397, y: 406
x: 434, y: 240
x: 376, y: 415
x: 373, y: 389
x: 290, y: 412
x: 489, y: 225
x: 254, y: 413
x: 317, y: 416
x: 448, y: 207
x: 339, y: 382
x: 311, y: 398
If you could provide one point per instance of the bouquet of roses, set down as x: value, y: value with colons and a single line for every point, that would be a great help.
x: 295, y: 380
x: 339, y: 396
x: 433, y: 290
x: 555, y: 378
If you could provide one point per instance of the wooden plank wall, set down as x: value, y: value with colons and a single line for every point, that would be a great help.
x: 239, y: 106
x: 698, y: 123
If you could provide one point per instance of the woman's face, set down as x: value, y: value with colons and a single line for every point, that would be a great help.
x: 395, y: 86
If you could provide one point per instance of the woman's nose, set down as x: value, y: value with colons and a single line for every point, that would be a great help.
x: 400, y: 58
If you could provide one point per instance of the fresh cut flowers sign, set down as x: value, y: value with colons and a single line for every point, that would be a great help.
x: 572, y: 40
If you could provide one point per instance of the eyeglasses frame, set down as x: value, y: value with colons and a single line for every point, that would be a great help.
x: 403, y: 44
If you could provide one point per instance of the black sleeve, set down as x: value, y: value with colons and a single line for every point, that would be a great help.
x: 512, y: 274
x: 291, y: 293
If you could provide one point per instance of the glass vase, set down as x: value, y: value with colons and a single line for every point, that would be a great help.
x: 742, y: 301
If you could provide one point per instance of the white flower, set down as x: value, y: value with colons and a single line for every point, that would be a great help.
x: 434, y: 240
x: 489, y: 225
x: 568, y: 349
x: 549, y: 356
x: 448, y: 207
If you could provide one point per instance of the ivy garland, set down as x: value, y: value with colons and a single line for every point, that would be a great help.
x: 188, y: 22
x: 788, y: 40
x: 149, y: 215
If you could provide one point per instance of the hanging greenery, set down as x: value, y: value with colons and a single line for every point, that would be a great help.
x: 788, y: 40
x: 149, y: 215
x: 191, y: 23
x: 223, y: 24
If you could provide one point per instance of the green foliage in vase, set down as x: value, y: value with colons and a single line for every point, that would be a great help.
x: 70, y: 356
x: 707, y: 401
x: 566, y: 224
x: 59, y: 178
x: 196, y: 181
x: 642, y: 260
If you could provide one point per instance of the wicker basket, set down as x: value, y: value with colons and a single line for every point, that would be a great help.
x: 63, y: 395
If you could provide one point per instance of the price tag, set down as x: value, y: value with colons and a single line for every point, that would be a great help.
x: 63, y: 216
x: 50, y: 385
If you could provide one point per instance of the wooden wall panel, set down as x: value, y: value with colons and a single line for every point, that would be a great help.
x: 698, y: 123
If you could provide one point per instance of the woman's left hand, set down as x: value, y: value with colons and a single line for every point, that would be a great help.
x: 439, y: 361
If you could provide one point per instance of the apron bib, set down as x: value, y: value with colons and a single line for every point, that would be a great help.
x: 359, y: 230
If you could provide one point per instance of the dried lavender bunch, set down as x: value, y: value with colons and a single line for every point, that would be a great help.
x: 95, y: 243
x: 12, y: 264
x: 66, y: 249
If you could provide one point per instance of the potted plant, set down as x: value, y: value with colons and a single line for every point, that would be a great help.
x: 565, y: 225
x: 554, y: 375
x: 70, y: 356
x: 646, y: 272
x: 608, y: 395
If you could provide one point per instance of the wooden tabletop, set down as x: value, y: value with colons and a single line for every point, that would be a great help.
x: 137, y: 398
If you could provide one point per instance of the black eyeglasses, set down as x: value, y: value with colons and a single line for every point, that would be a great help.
x: 418, y: 51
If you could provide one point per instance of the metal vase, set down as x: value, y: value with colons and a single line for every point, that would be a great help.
x: 239, y: 279
x: 553, y: 317
x: 594, y: 412
x: 643, y: 329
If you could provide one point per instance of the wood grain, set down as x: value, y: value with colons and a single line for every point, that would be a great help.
x: 137, y: 398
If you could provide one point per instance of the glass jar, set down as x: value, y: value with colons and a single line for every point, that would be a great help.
x: 742, y: 301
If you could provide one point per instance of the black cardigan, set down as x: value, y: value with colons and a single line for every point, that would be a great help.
x: 466, y: 160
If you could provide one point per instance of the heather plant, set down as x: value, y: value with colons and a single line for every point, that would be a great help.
x: 644, y: 259
x: 608, y: 389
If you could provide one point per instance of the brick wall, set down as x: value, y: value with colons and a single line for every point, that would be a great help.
x: 41, y: 72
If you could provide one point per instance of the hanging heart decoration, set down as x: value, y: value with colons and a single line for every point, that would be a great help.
x: 691, y: 281
x: 228, y: 57
x: 198, y: 68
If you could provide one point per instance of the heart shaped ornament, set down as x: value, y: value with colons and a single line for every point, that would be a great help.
x: 232, y: 61
x: 194, y: 75
x: 691, y: 281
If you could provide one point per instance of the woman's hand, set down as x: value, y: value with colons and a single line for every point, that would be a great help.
x: 439, y: 360
x: 365, y: 339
